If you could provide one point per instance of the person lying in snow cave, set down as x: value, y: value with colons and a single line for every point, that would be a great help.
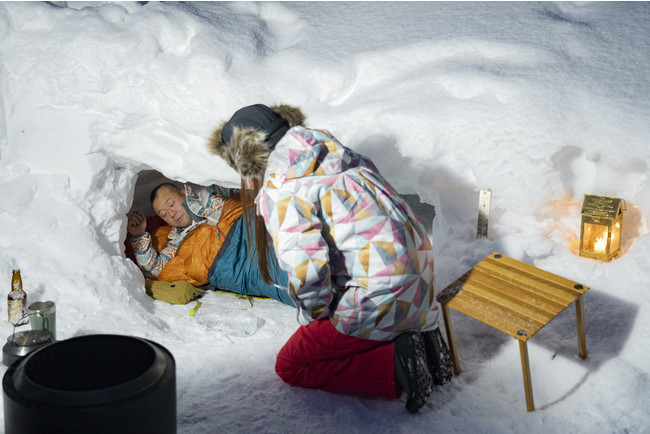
x: 360, y: 263
x: 205, y: 243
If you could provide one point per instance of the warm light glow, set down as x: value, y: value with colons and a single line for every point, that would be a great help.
x: 595, y: 238
x: 600, y: 244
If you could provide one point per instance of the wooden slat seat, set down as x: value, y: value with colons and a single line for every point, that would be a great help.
x: 516, y: 298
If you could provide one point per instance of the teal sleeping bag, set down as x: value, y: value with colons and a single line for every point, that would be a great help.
x: 236, y: 269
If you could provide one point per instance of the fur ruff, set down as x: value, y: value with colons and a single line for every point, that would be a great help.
x: 247, y: 151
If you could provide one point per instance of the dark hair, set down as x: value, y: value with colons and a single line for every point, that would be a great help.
x: 169, y: 185
x: 262, y: 241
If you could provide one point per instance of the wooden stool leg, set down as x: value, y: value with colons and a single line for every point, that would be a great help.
x: 450, y: 338
x: 528, y: 384
x: 580, y: 320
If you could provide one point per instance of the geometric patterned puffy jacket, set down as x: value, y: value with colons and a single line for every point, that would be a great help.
x: 354, y: 249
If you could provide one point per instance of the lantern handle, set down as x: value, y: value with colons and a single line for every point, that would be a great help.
x: 624, y: 205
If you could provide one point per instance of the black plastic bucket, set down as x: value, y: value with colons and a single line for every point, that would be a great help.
x: 92, y: 384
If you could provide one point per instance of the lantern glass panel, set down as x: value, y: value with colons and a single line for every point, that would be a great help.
x: 595, y: 238
x: 616, y: 236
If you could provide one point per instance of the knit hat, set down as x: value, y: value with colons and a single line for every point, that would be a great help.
x: 247, y: 139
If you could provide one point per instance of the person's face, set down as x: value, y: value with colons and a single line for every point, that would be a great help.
x: 168, y: 204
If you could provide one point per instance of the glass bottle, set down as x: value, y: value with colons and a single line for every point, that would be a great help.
x: 17, y: 299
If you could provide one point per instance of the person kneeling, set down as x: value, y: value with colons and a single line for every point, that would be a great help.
x: 360, y: 263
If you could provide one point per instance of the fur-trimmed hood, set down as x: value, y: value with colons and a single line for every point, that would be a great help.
x: 247, y: 139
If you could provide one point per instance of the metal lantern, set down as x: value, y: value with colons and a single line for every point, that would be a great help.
x: 602, y: 223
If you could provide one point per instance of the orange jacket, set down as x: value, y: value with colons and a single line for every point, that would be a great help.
x: 199, y: 248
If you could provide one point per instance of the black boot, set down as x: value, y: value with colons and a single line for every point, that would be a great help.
x: 438, y: 357
x: 411, y: 369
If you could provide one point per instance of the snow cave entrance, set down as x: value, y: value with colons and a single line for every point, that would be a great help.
x: 147, y: 180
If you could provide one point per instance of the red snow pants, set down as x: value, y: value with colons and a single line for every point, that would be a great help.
x: 318, y: 356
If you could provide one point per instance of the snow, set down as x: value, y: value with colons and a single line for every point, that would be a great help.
x: 539, y: 102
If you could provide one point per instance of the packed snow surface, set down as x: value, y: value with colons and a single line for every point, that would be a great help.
x: 540, y: 103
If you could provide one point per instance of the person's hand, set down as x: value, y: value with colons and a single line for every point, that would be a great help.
x: 137, y: 223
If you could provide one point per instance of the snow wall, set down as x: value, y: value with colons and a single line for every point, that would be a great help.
x: 551, y: 108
